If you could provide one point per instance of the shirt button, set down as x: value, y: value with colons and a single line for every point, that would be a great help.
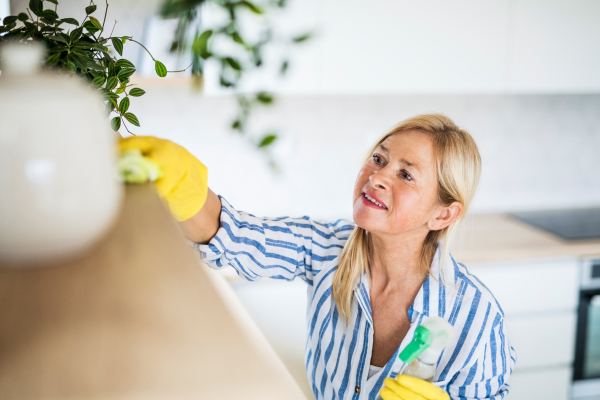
x: 357, y: 389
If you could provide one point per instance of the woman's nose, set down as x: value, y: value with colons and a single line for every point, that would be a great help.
x: 379, y: 180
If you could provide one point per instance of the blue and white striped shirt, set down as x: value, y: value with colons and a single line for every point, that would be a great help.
x: 476, y: 365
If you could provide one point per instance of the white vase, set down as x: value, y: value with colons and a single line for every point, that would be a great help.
x: 58, y: 188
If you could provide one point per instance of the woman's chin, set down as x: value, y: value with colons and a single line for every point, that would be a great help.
x: 363, y: 220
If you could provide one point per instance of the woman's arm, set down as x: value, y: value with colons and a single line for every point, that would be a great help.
x: 279, y: 248
x: 203, y: 226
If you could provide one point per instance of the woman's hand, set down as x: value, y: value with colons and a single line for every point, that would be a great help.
x: 406, y: 387
x: 184, y: 181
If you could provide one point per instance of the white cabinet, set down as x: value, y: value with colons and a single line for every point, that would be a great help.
x: 555, y: 46
x: 532, y: 286
x: 437, y: 46
x: 540, y: 384
x: 539, y: 298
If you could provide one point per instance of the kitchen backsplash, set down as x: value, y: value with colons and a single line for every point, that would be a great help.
x: 538, y: 151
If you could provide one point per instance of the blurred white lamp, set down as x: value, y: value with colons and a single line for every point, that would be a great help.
x: 58, y: 187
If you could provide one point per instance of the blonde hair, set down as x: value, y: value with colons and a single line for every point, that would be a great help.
x: 458, y: 167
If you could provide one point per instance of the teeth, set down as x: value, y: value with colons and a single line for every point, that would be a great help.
x: 373, y: 200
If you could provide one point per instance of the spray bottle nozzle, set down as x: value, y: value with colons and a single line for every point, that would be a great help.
x: 434, y: 334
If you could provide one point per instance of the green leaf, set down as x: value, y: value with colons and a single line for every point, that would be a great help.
x: 108, y: 108
x: 90, y: 27
x: 237, y: 38
x: 58, y: 49
x: 53, y: 59
x: 118, y: 45
x: 252, y: 7
x: 80, y: 53
x: 98, y: 46
x: 121, y: 88
x: 112, y: 70
x: 10, y: 20
x: 200, y: 44
x: 267, y: 140
x: 76, y: 34
x: 124, y: 105
x: 115, y: 123
x: 111, y: 96
x: 111, y: 83
x: 53, y: 1
x: 237, y: 125
x: 58, y: 38
x: 91, y: 64
x: 264, y: 97
x: 23, y: 17
x: 125, y: 73
x: 79, y: 61
x: 71, y: 21
x: 132, y: 118
x: 137, y: 92
x: 302, y: 38
x: 96, y: 23
x: 234, y: 64
x: 49, y: 15
x: 160, y: 68
x: 125, y: 38
x: 123, y: 63
x: 284, y: 67
x: 99, y: 80
x: 36, y: 7
x: 67, y: 38
x: 90, y: 9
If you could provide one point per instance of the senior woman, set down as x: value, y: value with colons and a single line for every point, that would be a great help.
x: 371, y: 281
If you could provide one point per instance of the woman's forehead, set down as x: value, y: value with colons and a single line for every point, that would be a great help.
x: 413, y: 148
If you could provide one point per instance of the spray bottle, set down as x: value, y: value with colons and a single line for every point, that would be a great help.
x: 422, y: 353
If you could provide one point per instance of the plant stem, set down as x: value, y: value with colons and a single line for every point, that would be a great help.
x: 125, y: 125
x: 135, y: 41
x: 113, y: 29
x: 183, y: 70
x: 105, y: 12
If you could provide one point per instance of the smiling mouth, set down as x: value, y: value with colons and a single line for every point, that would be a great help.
x: 372, y: 200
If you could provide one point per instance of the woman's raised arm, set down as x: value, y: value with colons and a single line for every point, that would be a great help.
x: 183, y: 186
x: 204, y: 225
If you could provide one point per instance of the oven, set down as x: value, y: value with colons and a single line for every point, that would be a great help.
x: 586, y: 369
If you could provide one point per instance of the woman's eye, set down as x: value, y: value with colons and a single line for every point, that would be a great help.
x: 377, y: 159
x: 406, y: 175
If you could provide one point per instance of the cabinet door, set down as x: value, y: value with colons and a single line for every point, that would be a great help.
x: 542, y: 341
x: 543, y: 384
x: 554, y: 46
x: 532, y: 287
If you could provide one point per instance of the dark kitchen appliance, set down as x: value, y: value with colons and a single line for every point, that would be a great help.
x: 572, y: 224
x: 586, y: 369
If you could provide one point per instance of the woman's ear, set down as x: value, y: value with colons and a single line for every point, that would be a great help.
x: 445, y: 216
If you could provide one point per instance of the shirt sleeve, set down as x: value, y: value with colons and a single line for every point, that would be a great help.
x: 280, y: 248
x: 487, y: 377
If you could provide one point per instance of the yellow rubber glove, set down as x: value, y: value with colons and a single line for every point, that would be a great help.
x: 184, y: 181
x: 406, y: 387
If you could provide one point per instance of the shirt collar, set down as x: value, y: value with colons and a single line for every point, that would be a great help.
x: 433, y: 297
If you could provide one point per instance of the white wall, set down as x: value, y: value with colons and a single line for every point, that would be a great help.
x: 538, y: 152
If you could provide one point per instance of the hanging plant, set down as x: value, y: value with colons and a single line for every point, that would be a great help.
x: 81, y: 49
x: 249, y: 54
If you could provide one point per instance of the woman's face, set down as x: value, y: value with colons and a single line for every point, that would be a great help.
x: 401, y: 176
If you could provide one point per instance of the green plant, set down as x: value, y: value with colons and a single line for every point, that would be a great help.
x: 191, y: 37
x: 82, y: 50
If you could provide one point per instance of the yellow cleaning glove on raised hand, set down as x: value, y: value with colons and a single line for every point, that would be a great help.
x: 184, y: 179
x: 406, y: 387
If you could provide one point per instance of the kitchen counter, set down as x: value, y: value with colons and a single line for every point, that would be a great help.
x: 498, y: 237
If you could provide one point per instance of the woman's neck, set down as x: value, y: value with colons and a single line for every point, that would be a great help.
x: 395, y: 264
